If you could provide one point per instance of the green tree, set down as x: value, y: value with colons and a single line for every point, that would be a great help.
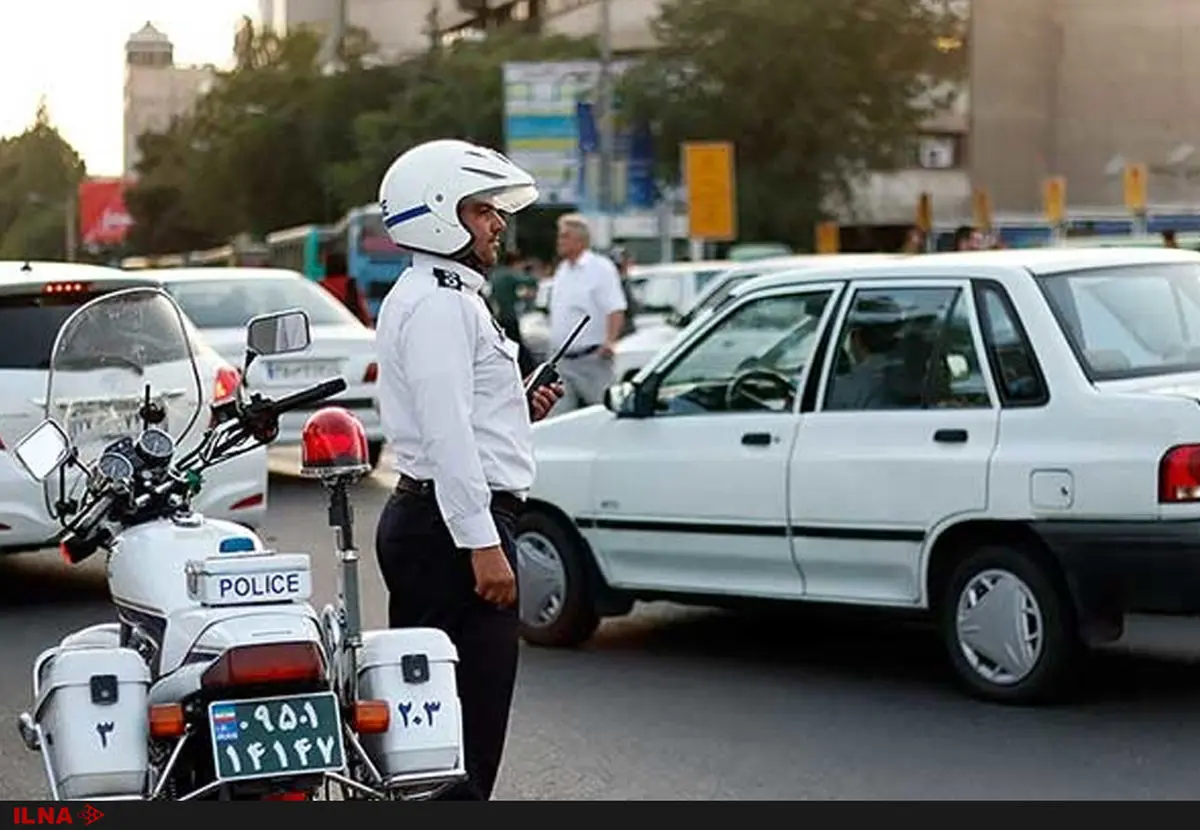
x: 253, y: 153
x: 39, y: 176
x: 450, y: 92
x: 813, y: 94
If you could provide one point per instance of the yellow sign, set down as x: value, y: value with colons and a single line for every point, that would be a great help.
x: 1135, y: 187
x: 1054, y: 198
x: 981, y: 208
x: 829, y: 238
x: 708, y: 174
x: 925, y: 212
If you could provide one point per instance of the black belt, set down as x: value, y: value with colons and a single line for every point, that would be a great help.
x: 501, y: 500
x: 582, y: 352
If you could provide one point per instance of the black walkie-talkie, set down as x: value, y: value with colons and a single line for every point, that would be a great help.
x: 547, y: 373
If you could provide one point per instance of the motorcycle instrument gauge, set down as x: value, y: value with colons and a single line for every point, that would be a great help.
x: 115, y: 467
x: 155, y: 445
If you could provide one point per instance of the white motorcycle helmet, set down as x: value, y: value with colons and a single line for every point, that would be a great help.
x: 422, y: 190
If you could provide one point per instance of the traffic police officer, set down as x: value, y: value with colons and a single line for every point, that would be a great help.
x: 456, y: 414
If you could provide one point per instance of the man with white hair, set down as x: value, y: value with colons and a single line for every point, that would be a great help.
x: 584, y: 283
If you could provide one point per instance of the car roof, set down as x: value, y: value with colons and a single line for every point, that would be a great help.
x: 655, y: 268
x: 222, y: 273
x: 20, y: 272
x: 957, y: 264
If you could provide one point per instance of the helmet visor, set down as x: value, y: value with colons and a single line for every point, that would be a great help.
x: 508, y: 199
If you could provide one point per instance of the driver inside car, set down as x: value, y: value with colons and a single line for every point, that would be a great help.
x: 867, y: 384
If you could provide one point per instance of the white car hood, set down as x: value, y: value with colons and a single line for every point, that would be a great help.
x: 650, y: 339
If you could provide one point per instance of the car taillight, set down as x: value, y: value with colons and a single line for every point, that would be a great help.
x: 226, y: 383
x: 372, y: 373
x: 265, y: 664
x: 1179, y: 475
x: 64, y: 287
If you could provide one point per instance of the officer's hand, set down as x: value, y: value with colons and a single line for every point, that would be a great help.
x: 543, y: 399
x: 494, y: 580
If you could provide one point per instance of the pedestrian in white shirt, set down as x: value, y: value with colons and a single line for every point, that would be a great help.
x: 455, y: 411
x: 584, y: 283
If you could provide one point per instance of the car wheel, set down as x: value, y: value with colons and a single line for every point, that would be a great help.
x: 1008, y: 626
x: 374, y: 453
x: 556, y: 606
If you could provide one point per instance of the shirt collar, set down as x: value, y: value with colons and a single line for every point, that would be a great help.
x: 581, y: 260
x: 471, y: 278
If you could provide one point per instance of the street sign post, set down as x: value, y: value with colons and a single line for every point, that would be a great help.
x: 708, y: 175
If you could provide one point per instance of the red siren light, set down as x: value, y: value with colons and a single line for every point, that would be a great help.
x: 333, y: 443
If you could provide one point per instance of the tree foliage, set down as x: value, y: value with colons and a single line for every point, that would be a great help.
x: 39, y: 175
x: 452, y: 92
x: 813, y: 94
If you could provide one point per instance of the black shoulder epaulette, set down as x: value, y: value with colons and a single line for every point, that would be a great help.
x: 447, y: 279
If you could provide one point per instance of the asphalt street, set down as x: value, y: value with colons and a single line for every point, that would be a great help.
x: 692, y: 704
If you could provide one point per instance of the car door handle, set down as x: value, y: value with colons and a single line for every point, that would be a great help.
x: 950, y: 436
x: 757, y: 439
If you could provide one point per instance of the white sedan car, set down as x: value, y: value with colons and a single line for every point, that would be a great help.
x: 636, y: 350
x: 220, y: 301
x: 1007, y: 441
x: 36, y: 298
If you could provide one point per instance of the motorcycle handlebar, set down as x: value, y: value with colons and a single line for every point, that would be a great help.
x: 311, y: 395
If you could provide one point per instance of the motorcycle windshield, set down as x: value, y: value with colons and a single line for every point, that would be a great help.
x: 110, y: 357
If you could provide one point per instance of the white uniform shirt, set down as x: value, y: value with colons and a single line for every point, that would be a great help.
x: 451, y: 397
x: 590, y: 285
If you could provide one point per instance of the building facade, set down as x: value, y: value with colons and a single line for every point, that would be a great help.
x: 398, y: 27
x: 1077, y: 88
x: 156, y: 90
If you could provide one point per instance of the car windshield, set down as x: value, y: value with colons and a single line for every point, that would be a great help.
x: 718, y: 296
x: 230, y: 303
x: 663, y: 290
x: 1130, y: 321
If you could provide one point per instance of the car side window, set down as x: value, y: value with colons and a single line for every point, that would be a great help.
x: 1017, y: 374
x: 906, y: 348
x: 752, y: 360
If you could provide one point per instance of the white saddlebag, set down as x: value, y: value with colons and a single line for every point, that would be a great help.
x: 413, y: 669
x: 94, y: 722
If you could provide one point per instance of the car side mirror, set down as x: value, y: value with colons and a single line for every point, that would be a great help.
x: 632, y: 399
x: 616, y: 396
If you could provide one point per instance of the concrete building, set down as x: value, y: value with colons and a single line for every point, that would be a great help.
x: 1077, y: 87
x: 156, y: 90
x: 398, y: 27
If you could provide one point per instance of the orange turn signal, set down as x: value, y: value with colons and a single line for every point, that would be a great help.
x: 371, y: 717
x: 166, y: 721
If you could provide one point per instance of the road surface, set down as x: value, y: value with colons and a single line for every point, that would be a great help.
x: 694, y: 704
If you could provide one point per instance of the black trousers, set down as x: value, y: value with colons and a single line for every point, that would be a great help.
x: 431, y: 584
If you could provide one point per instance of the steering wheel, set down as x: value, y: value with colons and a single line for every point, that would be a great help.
x: 769, y: 377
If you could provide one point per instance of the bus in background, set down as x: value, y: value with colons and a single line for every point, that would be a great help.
x: 239, y: 254
x: 301, y: 249
x: 373, y: 258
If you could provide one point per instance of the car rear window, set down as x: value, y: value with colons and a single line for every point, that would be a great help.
x: 28, y: 325
x: 1130, y: 321
x: 229, y: 304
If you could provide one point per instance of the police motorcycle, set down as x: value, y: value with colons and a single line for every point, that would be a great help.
x: 219, y: 681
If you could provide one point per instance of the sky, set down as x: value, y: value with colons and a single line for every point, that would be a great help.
x: 73, y: 52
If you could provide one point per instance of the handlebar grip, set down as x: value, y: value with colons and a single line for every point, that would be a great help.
x: 313, y: 394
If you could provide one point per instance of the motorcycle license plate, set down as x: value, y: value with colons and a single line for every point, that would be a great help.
x: 276, y: 736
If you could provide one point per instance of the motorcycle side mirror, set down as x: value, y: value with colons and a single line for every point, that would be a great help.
x: 280, y: 332
x: 45, y: 449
